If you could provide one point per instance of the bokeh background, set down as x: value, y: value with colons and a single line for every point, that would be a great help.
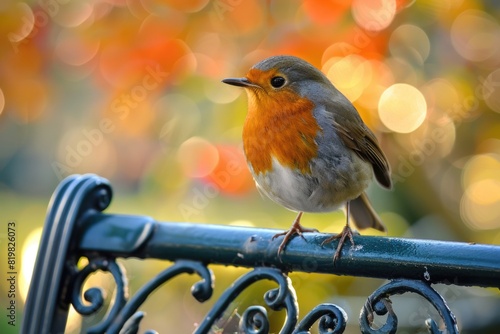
x: 131, y: 90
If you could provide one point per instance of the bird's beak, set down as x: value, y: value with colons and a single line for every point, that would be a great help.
x: 240, y: 82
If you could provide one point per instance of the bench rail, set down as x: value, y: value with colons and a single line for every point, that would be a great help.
x: 76, y: 227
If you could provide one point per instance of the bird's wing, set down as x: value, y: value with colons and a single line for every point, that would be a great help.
x: 356, y: 135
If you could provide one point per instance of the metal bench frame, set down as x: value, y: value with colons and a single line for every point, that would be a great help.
x: 75, y: 226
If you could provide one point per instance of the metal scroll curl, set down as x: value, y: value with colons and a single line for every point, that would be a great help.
x: 122, y: 316
x: 94, y: 296
x: 201, y: 290
x: 332, y: 319
x: 380, y: 304
x: 254, y: 319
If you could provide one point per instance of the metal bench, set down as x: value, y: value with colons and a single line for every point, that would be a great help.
x: 76, y: 227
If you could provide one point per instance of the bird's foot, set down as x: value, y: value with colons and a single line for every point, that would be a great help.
x: 295, y: 229
x: 346, y: 232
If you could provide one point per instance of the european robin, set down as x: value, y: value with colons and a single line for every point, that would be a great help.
x: 307, y: 147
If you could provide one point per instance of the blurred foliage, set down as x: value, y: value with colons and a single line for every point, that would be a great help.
x: 131, y: 90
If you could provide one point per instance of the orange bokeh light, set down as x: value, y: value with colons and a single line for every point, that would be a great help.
x: 374, y: 15
x: 326, y: 12
x: 231, y: 174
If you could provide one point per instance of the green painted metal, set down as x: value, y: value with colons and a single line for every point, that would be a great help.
x: 47, y: 304
x: 76, y: 226
x: 379, y: 257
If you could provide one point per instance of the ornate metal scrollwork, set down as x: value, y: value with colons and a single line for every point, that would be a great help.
x: 380, y: 304
x: 201, y: 290
x: 255, y: 318
x: 332, y: 319
x: 95, y: 295
x: 122, y: 317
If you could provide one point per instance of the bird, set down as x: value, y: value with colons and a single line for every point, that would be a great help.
x: 307, y: 147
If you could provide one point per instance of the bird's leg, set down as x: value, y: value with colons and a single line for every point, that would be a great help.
x: 296, y: 228
x: 346, y: 232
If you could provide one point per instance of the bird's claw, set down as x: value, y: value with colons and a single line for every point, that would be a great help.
x: 295, y: 229
x: 346, y: 232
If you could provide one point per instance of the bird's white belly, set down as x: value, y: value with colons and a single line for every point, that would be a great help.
x: 323, y: 190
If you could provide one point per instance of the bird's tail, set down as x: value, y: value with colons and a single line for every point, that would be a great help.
x: 364, y: 215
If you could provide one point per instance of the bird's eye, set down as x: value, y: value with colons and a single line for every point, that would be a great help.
x: 277, y: 82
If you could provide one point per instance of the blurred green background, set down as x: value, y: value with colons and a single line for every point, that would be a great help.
x: 131, y: 90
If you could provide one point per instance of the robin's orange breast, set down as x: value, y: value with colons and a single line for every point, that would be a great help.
x: 280, y: 125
